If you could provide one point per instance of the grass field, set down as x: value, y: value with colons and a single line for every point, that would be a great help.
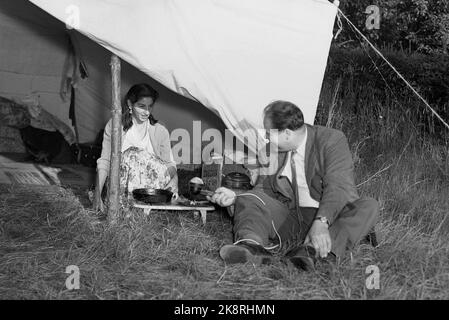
x: 172, y: 256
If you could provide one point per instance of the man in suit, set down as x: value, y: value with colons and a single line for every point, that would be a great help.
x: 311, y: 199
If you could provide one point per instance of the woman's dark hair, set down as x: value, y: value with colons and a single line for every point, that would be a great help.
x: 134, y: 94
x: 284, y: 115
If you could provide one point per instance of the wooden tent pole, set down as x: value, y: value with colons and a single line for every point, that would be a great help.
x: 116, y: 137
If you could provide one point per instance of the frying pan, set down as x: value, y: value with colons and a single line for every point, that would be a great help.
x: 153, y: 196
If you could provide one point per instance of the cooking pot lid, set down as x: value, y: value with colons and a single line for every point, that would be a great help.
x: 238, y: 177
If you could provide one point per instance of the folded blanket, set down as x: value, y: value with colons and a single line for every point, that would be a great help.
x: 13, y: 114
x: 29, y: 113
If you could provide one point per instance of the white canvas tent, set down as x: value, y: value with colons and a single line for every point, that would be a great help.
x: 231, y: 56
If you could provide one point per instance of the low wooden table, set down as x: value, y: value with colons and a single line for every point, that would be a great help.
x: 147, y: 208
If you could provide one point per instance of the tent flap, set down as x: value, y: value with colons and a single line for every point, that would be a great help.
x: 232, y: 56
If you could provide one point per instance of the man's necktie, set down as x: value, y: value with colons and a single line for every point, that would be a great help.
x: 295, y: 185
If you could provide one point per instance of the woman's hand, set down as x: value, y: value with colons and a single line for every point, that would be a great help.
x: 100, y: 181
x: 172, y: 172
x: 98, y: 202
x: 223, y: 197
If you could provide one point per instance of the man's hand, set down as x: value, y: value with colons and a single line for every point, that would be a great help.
x: 320, y: 238
x: 223, y: 197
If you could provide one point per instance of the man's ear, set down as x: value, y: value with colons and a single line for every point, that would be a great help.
x: 288, y: 134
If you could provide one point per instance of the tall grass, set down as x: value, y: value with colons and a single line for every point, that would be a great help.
x: 406, y: 168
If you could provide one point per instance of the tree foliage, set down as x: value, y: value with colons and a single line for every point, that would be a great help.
x: 415, y: 25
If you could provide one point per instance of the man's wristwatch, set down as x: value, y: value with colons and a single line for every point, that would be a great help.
x: 323, y: 220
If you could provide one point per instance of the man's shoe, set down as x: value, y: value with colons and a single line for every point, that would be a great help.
x: 371, y: 238
x: 245, y: 252
x: 330, y: 260
x: 303, y: 257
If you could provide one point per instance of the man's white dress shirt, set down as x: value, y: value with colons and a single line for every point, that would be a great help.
x: 305, y: 200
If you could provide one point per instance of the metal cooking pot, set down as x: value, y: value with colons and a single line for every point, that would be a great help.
x: 197, y: 191
x: 237, y: 180
x: 153, y: 196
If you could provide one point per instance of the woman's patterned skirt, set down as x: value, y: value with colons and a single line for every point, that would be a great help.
x: 140, y: 169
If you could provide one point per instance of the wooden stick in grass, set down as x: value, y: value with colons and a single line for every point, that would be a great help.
x: 114, y: 174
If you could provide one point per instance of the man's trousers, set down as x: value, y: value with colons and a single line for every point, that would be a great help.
x: 264, y: 219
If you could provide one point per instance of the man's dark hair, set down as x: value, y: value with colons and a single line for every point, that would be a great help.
x: 284, y: 115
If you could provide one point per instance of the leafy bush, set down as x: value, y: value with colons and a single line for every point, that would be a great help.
x: 417, y: 25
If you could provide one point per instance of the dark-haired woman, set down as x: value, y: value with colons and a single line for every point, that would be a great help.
x: 147, y: 160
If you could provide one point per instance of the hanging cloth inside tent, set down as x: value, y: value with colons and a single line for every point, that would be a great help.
x: 72, y: 114
x: 74, y: 70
